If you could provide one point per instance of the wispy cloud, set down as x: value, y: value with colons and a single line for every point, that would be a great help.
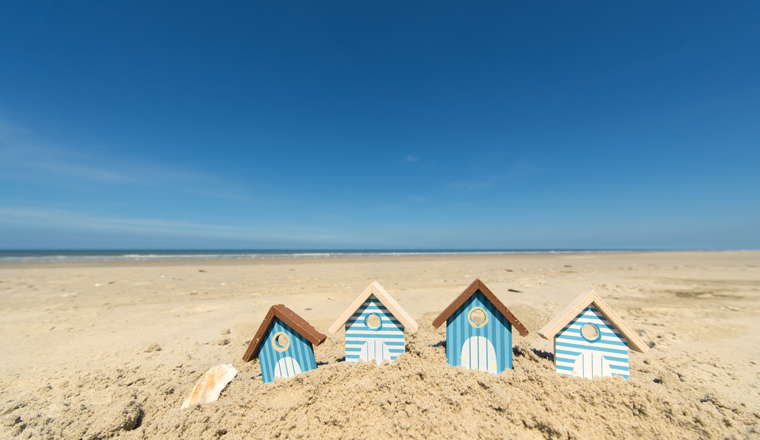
x: 24, y: 160
x: 492, y: 180
x: 474, y: 185
x: 7, y: 129
x: 401, y: 204
x: 416, y: 199
x: 389, y: 209
x: 81, y: 171
x: 411, y: 158
x: 67, y: 220
x: 24, y: 157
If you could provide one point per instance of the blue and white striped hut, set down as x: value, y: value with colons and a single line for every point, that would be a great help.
x: 375, y: 326
x: 284, y: 344
x: 479, y: 330
x: 590, y: 339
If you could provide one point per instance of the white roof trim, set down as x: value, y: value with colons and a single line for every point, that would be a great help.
x: 383, y: 296
x: 581, y: 302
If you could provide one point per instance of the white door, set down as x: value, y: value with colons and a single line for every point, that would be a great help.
x: 286, y: 367
x: 591, y: 364
x: 478, y: 354
x: 375, y: 350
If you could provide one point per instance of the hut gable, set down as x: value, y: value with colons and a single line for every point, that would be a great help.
x: 385, y: 299
x: 284, y: 344
x: 581, y: 303
x: 472, y: 289
x: 374, y: 326
x: 366, y: 341
x: 479, y: 330
x: 591, y: 340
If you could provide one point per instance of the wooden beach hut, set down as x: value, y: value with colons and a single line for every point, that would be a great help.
x: 591, y: 340
x: 375, y: 325
x: 284, y: 344
x: 479, y: 330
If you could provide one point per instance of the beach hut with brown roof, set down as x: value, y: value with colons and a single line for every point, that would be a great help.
x: 375, y: 325
x: 284, y: 344
x: 479, y: 330
x: 591, y: 340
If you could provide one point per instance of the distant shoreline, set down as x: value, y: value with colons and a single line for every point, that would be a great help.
x: 67, y: 256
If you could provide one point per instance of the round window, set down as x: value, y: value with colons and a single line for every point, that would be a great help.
x: 478, y: 317
x: 280, y: 341
x: 590, y: 332
x: 373, y: 321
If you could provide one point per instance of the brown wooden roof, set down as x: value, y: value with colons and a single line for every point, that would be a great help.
x: 468, y: 292
x: 290, y: 318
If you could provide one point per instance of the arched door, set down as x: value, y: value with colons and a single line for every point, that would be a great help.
x: 478, y: 354
x: 591, y: 364
x: 286, y: 367
x: 374, y: 350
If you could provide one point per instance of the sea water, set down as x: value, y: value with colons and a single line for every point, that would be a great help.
x: 16, y: 256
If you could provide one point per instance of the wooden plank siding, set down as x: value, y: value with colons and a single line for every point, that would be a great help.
x: 498, y: 330
x: 570, y: 345
x: 300, y: 350
x: 288, y: 317
x: 390, y: 333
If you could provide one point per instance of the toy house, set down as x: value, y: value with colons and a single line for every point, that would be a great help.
x: 591, y: 340
x: 284, y: 344
x: 375, y: 325
x: 479, y: 330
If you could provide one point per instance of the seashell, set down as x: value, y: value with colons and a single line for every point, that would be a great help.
x: 210, y: 385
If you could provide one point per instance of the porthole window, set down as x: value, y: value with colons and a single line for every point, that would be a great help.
x: 590, y: 332
x: 280, y: 341
x: 477, y: 317
x: 373, y: 321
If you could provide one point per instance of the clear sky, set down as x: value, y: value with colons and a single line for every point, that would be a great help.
x: 356, y: 124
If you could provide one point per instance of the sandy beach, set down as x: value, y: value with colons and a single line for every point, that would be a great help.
x: 110, y: 349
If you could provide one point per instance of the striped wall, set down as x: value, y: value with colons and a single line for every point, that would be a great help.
x: 390, y: 334
x: 498, y: 331
x: 576, y: 356
x: 300, y: 351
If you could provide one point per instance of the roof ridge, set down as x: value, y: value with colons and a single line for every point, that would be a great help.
x: 579, y: 304
x: 475, y: 286
x: 292, y: 320
x: 385, y: 298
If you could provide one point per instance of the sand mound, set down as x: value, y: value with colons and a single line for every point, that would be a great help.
x: 418, y: 396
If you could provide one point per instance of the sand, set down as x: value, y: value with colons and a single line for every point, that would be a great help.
x: 111, y: 349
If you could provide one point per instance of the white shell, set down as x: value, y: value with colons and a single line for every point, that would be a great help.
x: 210, y: 385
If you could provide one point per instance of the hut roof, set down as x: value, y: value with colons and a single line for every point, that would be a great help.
x: 383, y: 296
x: 578, y: 305
x: 468, y: 292
x: 289, y: 317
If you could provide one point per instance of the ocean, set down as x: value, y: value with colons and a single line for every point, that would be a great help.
x: 16, y: 256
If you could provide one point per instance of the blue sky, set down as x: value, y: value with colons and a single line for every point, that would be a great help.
x: 350, y: 125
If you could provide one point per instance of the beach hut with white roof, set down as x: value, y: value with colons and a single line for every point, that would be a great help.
x: 590, y: 339
x: 375, y: 325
